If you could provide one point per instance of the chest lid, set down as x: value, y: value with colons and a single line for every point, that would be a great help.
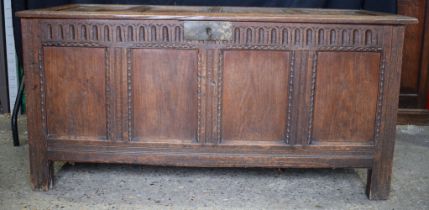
x: 258, y: 14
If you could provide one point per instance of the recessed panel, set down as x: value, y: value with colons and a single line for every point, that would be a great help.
x: 346, y: 96
x: 165, y: 88
x: 255, y: 95
x: 75, y: 92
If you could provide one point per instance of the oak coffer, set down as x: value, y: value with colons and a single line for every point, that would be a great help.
x: 213, y: 87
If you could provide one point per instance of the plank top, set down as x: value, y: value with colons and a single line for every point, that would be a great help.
x: 291, y: 15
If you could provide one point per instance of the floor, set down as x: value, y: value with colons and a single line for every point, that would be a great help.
x: 97, y: 186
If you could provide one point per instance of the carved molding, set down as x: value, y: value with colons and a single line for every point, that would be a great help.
x: 380, y: 98
x: 312, y: 96
x: 71, y: 44
x: 42, y: 84
x: 257, y: 47
x: 109, y: 101
x: 290, y: 96
x: 200, y: 70
x: 219, y: 96
x: 275, y: 35
x: 97, y: 31
x: 305, y: 36
x: 130, y: 95
x: 350, y: 49
x: 128, y: 45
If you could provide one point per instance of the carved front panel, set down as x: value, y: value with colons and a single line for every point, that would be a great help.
x: 75, y: 92
x: 254, y: 96
x: 164, y: 95
x: 346, y: 93
x: 248, y: 89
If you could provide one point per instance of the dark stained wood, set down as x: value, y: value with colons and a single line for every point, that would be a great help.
x: 414, y: 82
x: 380, y: 175
x: 413, y: 44
x: 255, y: 95
x: 164, y: 94
x: 215, y: 160
x: 303, y: 66
x: 288, y: 88
x: 75, y: 89
x: 346, y: 96
x: 117, y: 68
x: 41, y: 168
x: 424, y: 74
x: 413, y: 117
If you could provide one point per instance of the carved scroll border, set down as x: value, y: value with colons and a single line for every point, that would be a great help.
x: 130, y: 95
x: 252, y: 33
x: 291, y: 88
x: 40, y: 57
x: 305, y: 36
x: 380, y: 96
x: 109, y: 101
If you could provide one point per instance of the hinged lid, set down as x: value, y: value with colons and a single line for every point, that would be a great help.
x: 291, y: 15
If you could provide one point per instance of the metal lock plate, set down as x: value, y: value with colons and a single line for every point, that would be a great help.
x: 207, y: 30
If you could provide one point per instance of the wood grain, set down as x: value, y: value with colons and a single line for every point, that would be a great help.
x: 41, y: 168
x: 346, y: 96
x: 164, y: 93
x: 82, y: 11
x: 292, y: 88
x: 380, y: 175
x: 75, y: 92
x: 255, y: 95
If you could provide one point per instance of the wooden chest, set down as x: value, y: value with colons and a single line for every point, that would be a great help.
x: 213, y: 87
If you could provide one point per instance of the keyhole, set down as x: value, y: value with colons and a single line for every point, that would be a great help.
x: 209, y: 32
